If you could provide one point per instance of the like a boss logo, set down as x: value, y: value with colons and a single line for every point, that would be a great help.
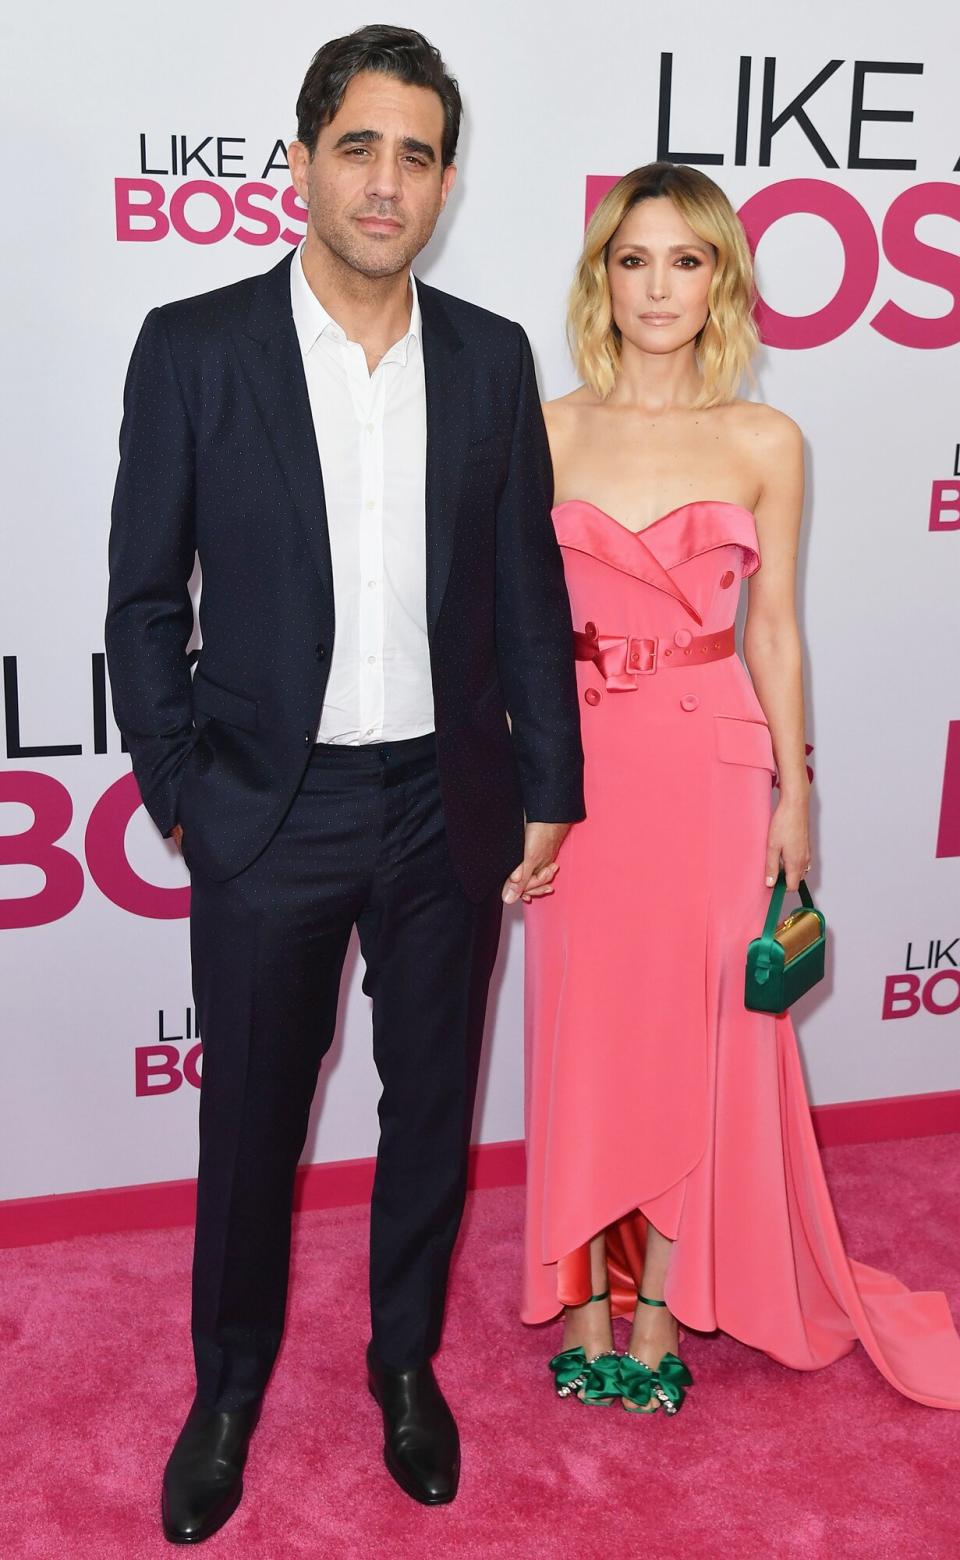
x: 201, y: 190
x: 929, y: 981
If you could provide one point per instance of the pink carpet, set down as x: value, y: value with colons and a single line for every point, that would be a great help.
x: 761, y: 1462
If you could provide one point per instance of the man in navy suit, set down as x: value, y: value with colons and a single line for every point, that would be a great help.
x: 359, y: 461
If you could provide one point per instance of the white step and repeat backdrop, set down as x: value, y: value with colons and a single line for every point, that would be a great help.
x: 145, y: 162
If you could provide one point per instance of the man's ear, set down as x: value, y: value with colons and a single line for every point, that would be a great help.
x: 448, y: 180
x: 298, y: 159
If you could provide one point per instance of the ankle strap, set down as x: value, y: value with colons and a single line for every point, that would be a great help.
x: 644, y: 1301
x: 604, y: 1296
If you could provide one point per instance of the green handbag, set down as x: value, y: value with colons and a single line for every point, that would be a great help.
x: 786, y: 959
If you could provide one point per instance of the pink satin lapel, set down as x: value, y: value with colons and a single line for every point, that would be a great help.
x: 698, y: 528
x: 684, y: 533
x: 585, y: 528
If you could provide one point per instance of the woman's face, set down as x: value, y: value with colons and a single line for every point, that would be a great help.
x: 660, y: 274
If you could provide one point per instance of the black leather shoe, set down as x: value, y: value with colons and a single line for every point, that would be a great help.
x: 203, y: 1481
x: 421, y: 1444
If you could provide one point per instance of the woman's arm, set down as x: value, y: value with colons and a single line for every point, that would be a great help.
x: 772, y: 638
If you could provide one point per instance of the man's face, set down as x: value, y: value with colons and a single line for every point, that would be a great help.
x: 374, y: 185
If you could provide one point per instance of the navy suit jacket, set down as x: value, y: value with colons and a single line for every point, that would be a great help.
x: 218, y: 459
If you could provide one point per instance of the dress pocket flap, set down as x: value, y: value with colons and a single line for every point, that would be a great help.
x: 234, y: 708
x: 744, y: 742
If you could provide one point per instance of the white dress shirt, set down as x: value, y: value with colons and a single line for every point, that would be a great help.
x: 372, y: 437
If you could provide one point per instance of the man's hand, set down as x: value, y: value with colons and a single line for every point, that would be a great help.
x: 176, y: 834
x: 536, y: 872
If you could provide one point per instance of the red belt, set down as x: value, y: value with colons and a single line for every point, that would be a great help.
x: 622, y: 658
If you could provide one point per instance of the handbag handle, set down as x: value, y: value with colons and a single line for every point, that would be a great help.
x: 776, y: 903
x: 762, y: 972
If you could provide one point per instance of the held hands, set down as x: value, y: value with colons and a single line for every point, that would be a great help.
x: 788, y: 842
x: 536, y: 872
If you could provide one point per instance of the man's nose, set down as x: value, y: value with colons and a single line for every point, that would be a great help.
x: 383, y: 182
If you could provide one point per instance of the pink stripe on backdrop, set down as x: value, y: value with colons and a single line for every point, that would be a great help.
x: 598, y: 185
x: 874, y: 1121
x: 29, y: 1221
x: 948, y: 839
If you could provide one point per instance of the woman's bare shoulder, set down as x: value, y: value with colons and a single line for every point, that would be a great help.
x: 569, y: 408
x: 770, y: 445
x: 766, y: 428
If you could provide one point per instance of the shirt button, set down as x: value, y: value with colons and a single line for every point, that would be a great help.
x: 682, y: 637
x: 689, y: 702
x: 368, y: 732
x: 371, y: 660
x: 369, y: 427
x: 592, y: 696
x: 306, y: 738
x: 371, y: 584
x: 370, y: 504
x: 727, y: 580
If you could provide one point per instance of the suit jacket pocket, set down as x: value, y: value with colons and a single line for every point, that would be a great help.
x: 210, y: 698
x: 744, y: 742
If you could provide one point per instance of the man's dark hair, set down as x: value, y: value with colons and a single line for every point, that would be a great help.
x: 396, y: 51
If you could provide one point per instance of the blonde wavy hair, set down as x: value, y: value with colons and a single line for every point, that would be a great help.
x: 729, y: 338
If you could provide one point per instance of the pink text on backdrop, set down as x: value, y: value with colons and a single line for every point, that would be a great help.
x: 161, y: 1069
x: 904, y: 995
x: 145, y: 214
x: 945, y: 505
x: 104, y: 848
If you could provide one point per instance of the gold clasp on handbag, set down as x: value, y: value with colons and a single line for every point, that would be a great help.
x: 797, y: 932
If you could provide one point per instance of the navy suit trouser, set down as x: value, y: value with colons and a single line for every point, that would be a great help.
x: 362, y: 845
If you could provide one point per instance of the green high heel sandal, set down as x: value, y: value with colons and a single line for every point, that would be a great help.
x: 597, y: 1379
x: 643, y: 1390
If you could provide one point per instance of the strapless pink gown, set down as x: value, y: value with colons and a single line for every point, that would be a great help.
x: 652, y: 1092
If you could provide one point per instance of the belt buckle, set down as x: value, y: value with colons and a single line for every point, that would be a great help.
x: 641, y: 657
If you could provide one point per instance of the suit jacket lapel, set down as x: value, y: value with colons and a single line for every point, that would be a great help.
x: 448, y: 433
x: 270, y: 355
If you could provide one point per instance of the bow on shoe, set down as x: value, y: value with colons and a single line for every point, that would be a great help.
x: 603, y: 1379
x: 637, y: 1381
x: 569, y: 1371
x: 672, y: 1377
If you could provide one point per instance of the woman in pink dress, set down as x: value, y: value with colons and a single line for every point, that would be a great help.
x: 673, y: 1174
